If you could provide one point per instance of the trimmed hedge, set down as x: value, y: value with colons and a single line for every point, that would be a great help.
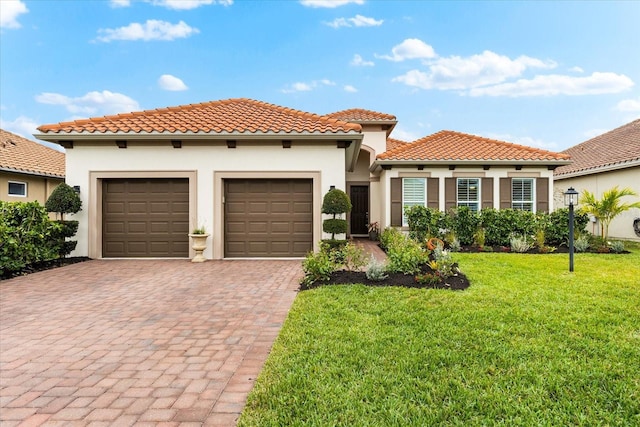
x: 499, y: 225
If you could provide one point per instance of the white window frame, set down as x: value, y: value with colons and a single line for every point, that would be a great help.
x: 416, y: 201
x: 522, y: 202
x: 469, y: 203
x: 24, y: 184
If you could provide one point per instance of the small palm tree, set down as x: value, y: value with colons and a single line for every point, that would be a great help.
x: 608, y: 207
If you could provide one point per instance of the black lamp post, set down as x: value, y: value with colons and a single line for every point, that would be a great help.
x: 571, y: 198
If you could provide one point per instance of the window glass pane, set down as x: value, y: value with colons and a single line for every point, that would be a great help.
x: 522, y: 190
x: 413, y: 193
x: 17, y: 188
x: 469, y: 193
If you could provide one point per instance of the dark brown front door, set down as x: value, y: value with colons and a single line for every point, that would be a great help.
x: 145, y: 218
x: 268, y: 217
x: 360, y: 210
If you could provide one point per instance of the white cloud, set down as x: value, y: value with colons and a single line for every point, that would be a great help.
x: 410, y: 49
x: 150, y: 30
x: 629, y: 105
x: 93, y: 103
x: 349, y: 88
x: 359, y: 62
x: 459, y: 73
x: 554, y: 84
x: 404, y: 135
x: 356, y: 21
x: 306, y: 87
x: 119, y: 3
x: 23, y: 126
x: 172, y: 83
x: 576, y: 70
x: 592, y: 133
x: 328, y: 3
x: 525, y: 140
x: 188, y: 4
x: 9, y: 12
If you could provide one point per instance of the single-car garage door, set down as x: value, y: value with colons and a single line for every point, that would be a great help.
x: 145, y: 217
x: 268, y: 217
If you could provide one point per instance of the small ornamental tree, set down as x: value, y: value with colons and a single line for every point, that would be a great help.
x: 608, y: 207
x: 335, y: 202
x: 64, y: 200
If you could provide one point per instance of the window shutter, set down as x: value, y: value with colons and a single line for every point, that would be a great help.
x: 396, y: 202
x: 487, y: 193
x: 542, y: 195
x: 449, y: 193
x: 505, y: 193
x: 433, y: 193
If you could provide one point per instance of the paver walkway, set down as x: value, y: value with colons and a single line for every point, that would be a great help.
x: 124, y: 342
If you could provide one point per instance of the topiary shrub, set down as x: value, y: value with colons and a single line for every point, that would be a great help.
x: 65, y: 200
x: 336, y: 202
x: 557, y: 226
x: 465, y: 223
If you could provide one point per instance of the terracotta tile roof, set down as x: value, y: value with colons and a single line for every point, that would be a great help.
x: 395, y: 143
x: 614, y: 148
x: 22, y: 155
x: 454, y: 146
x: 358, y: 115
x: 233, y: 116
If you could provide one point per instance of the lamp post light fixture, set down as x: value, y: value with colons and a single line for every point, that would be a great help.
x: 571, y: 199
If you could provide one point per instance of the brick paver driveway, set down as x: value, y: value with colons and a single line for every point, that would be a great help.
x: 124, y: 342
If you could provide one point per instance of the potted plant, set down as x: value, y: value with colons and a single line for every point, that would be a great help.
x: 199, y: 237
x: 374, y: 231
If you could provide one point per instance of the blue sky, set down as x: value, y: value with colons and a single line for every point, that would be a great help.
x: 545, y: 74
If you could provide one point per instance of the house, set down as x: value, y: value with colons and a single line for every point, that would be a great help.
x: 600, y: 164
x: 254, y: 174
x: 29, y: 171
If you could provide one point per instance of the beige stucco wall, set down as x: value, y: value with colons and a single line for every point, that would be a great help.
x: 494, y: 172
x: 38, y: 188
x: 622, y: 226
x: 205, y: 164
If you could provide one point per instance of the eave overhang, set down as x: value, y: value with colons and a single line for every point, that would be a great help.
x: 378, y: 164
x: 598, y: 169
x: 31, y: 173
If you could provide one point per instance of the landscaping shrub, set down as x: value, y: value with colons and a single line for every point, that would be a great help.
x: 64, y: 200
x: 617, y: 246
x: 425, y: 223
x: 557, y: 227
x: 376, y: 270
x: 27, y: 235
x: 405, y: 255
x: 581, y: 243
x: 520, y: 244
x: 464, y: 223
x: 353, y: 256
x: 335, y: 202
x: 389, y: 236
x: 317, y: 267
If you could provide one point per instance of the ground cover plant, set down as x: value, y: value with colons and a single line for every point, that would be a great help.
x: 527, y: 344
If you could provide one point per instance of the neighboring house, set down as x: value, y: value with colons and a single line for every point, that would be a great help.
x: 254, y: 174
x: 29, y: 171
x: 600, y: 164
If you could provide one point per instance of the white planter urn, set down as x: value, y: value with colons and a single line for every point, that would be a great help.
x: 199, y: 245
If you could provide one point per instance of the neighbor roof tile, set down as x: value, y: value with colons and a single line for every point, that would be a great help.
x: 448, y: 145
x: 361, y: 115
x: 616, y: 147
x: 237, y: 115
x: 23, y: 155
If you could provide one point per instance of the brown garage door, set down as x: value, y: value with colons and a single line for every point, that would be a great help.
x: 268, y: 217
x: 145, y: 218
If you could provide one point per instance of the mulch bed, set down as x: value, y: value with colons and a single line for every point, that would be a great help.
x: 42, y: 266
x: 342, y: 277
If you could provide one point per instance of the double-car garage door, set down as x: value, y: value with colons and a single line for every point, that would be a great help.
x: 262, y: 217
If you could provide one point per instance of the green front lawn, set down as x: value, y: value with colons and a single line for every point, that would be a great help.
x: 527, y: 344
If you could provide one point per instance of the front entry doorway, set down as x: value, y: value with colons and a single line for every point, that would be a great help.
x: 359, y: 195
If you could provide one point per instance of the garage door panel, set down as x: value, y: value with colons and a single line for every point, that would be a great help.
x: 268, y: 217
x: 145, y: 217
